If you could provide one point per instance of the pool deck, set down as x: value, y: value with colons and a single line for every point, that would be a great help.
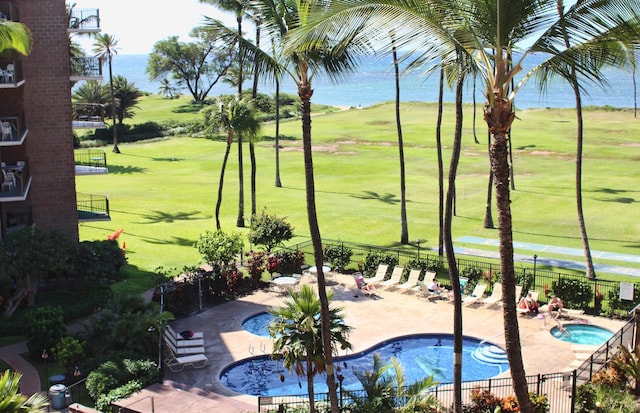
x: 391, y: 314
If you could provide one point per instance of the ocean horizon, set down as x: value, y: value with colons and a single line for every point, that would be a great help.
x: 374, y: 83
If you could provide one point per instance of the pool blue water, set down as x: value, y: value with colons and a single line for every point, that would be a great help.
x: 421, y: 355
x: 258, y: 324
x: 582, y: 334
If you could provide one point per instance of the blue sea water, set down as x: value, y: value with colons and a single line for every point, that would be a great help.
x: 374, y: 83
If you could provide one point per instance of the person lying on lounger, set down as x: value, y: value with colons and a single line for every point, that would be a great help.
x: 362, y: 284
x: 555, y: 304
x: 528, y: 303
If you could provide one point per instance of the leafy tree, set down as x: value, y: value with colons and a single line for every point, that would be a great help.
x: 198, y: 65
x: 219, y: 248
x: 338, y: 256
x: 44, y: 329
x: 296, y: 331
x: 269, y: 230
x: 127, y: 97
x: 11, y: 401
x: 105, y: 46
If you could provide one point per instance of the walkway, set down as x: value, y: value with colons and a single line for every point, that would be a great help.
x: 30, y: 382
x: 538, y: 249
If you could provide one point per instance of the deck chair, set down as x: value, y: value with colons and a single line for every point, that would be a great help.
x: 495, y: 297
x: 475, y: 296
x: 365, y: 286
x: 395, y: 277
x: 196, y: 334
x: 424, y: 292
x: 380, y: 275
x: 183, y: 347
x: 428, y: 277
x: 412, y: 280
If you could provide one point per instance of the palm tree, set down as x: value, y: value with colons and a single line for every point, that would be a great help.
x: 166, y: 88
x: 105, y: 49
x: 489, y: 32
x: 296, y: 331
x: 234, y: 117
x: 11, y: 401
x: 127, y: 96
x: 14, y: 36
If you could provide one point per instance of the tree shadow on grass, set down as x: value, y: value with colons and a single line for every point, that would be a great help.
x: 126, y: 170
x: 386, y: 198
x: 183, y: 242
x: 161, y: 216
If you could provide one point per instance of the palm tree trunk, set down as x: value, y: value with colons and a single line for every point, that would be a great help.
x: 221, y: 182
x: 451, y: 259
x: 113, y: 109
x: 404, y: 231
x: 310, y: 389
x: 278, y: 182
x: 305, y: 92
x: 499, y: 118
x: 240, y: 219
x: 252, y: 149
x: 440, y: 165
x: 488, y: 216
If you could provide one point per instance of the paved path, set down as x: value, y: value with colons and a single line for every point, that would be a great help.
x: 538, y: 249
x: 30, y: 382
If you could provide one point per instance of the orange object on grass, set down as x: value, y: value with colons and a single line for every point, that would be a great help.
x: 115, y: 234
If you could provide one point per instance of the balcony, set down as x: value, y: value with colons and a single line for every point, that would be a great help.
x: 84, y: 21
x: 91, y: 162
x: 93, y: 207
x: 85, y: 68
x: 14, y: 130
x: 16, y: 182
x: 11, y: 74
x: 88, y: 116
x: 8, y: 11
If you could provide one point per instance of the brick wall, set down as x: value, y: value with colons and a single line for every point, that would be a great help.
x: 47, y: 104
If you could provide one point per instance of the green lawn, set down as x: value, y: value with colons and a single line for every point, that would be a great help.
x: 163, y: 193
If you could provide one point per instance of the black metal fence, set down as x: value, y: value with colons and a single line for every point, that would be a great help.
x: 92, y: 207
x: 559, y: 388
x: 604, y: 297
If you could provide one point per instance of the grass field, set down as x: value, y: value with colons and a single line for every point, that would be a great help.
x: 163, y: 192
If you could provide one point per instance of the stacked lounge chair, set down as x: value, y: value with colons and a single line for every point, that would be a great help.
x: 181, y: 351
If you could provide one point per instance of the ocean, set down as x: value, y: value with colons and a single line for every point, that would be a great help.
x: 374, y: 83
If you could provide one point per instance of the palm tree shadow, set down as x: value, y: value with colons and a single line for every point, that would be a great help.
x: 166, y: 217
x: 126, y: 170
x: 371, y: 195
x: 183, y: 242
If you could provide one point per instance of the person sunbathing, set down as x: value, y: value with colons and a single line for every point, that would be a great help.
x: 362, y: 284
x: 532, y: 305
x: 555, y: 304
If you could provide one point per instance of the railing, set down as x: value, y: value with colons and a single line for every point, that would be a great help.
x: 536, y: 278
x: 88, y: 115
x: 8, y: 11
x: 84, y: 20
x: 18, y: 188
x: 86, y: 68
x: 16, y: 130
x: 91, y: 162
x: 92, y: 207
x: 11, y: 73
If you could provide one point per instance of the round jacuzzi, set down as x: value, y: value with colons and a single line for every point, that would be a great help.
x: 581, y: 334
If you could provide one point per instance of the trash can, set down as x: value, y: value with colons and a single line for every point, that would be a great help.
x: 57, y: 379
x: 56, y: 396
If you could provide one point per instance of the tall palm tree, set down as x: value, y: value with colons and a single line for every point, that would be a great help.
x: 14, y: 36
x: 11, y: 401
x: 166, y: 88
x: 236, y: 116
x: 127, y: 97
x: 489, y: 32
x: 105, y: 47
x: 296, y: 331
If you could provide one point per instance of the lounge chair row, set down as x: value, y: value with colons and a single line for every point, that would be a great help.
x: 395, y: 281
x: 182, y: 350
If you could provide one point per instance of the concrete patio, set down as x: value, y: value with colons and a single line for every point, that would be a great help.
x: 373, y: 320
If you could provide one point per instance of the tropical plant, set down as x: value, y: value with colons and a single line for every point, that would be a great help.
x: 127, y: 97
x: 219, y: 248
x: 167, y: 89
x: 11, y: 401
x: 629, y: 363
x: 297, y: 335
x: 269, y: 230
x: 14, y: 36
x: 237, y: 118
x: 487, y: 34
x: 598, y: 398
x: 105, y: 47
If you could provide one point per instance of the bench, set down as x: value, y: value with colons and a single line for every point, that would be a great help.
x: 178, y: 363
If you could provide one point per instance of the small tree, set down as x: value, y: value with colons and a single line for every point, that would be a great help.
x: 69, y: 352
x: 338, y: 256
x: 269, y: 230
x: 44, y: 329
x: 219, y: 248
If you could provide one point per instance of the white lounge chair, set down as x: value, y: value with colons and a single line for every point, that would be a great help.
x: 395, y: 277
x: 476, y: 295
x: 412, y: 280
x: 424, y: 292
x: 381, y: 273
x: 182, y: 348
x: 178, y: 363
x: 196, y: 334
x: 495, y: 297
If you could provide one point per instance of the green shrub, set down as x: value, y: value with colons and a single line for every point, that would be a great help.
x: 289, y: 262
x: 376, y: 258
x: 338, y: 256
x: 69, y: 352
x: 269, y: 230
x: 596, y: 398
x: 105, y: 401
x: 99, y: 260
x: 618, y: 306
x: 114, y: 378
x: 219, y: 248
x: 575, y: 293
x: 44, y: 329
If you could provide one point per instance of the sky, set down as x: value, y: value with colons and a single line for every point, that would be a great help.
x: 138, y: 24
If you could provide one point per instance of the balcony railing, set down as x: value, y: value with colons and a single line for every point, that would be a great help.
x: 86, y: 68
x: 11, y: 73
x: 14, y: 130
x: 91, y: 162
x: 8, y: 11
x: 92, y: 207
x: 84, y: 21
x: 88, y: 115
x: 16, y: 181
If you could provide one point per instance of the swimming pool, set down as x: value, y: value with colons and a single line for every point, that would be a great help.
x: 582, y: 334
x: 421, y: 355
x: 258, y: 324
